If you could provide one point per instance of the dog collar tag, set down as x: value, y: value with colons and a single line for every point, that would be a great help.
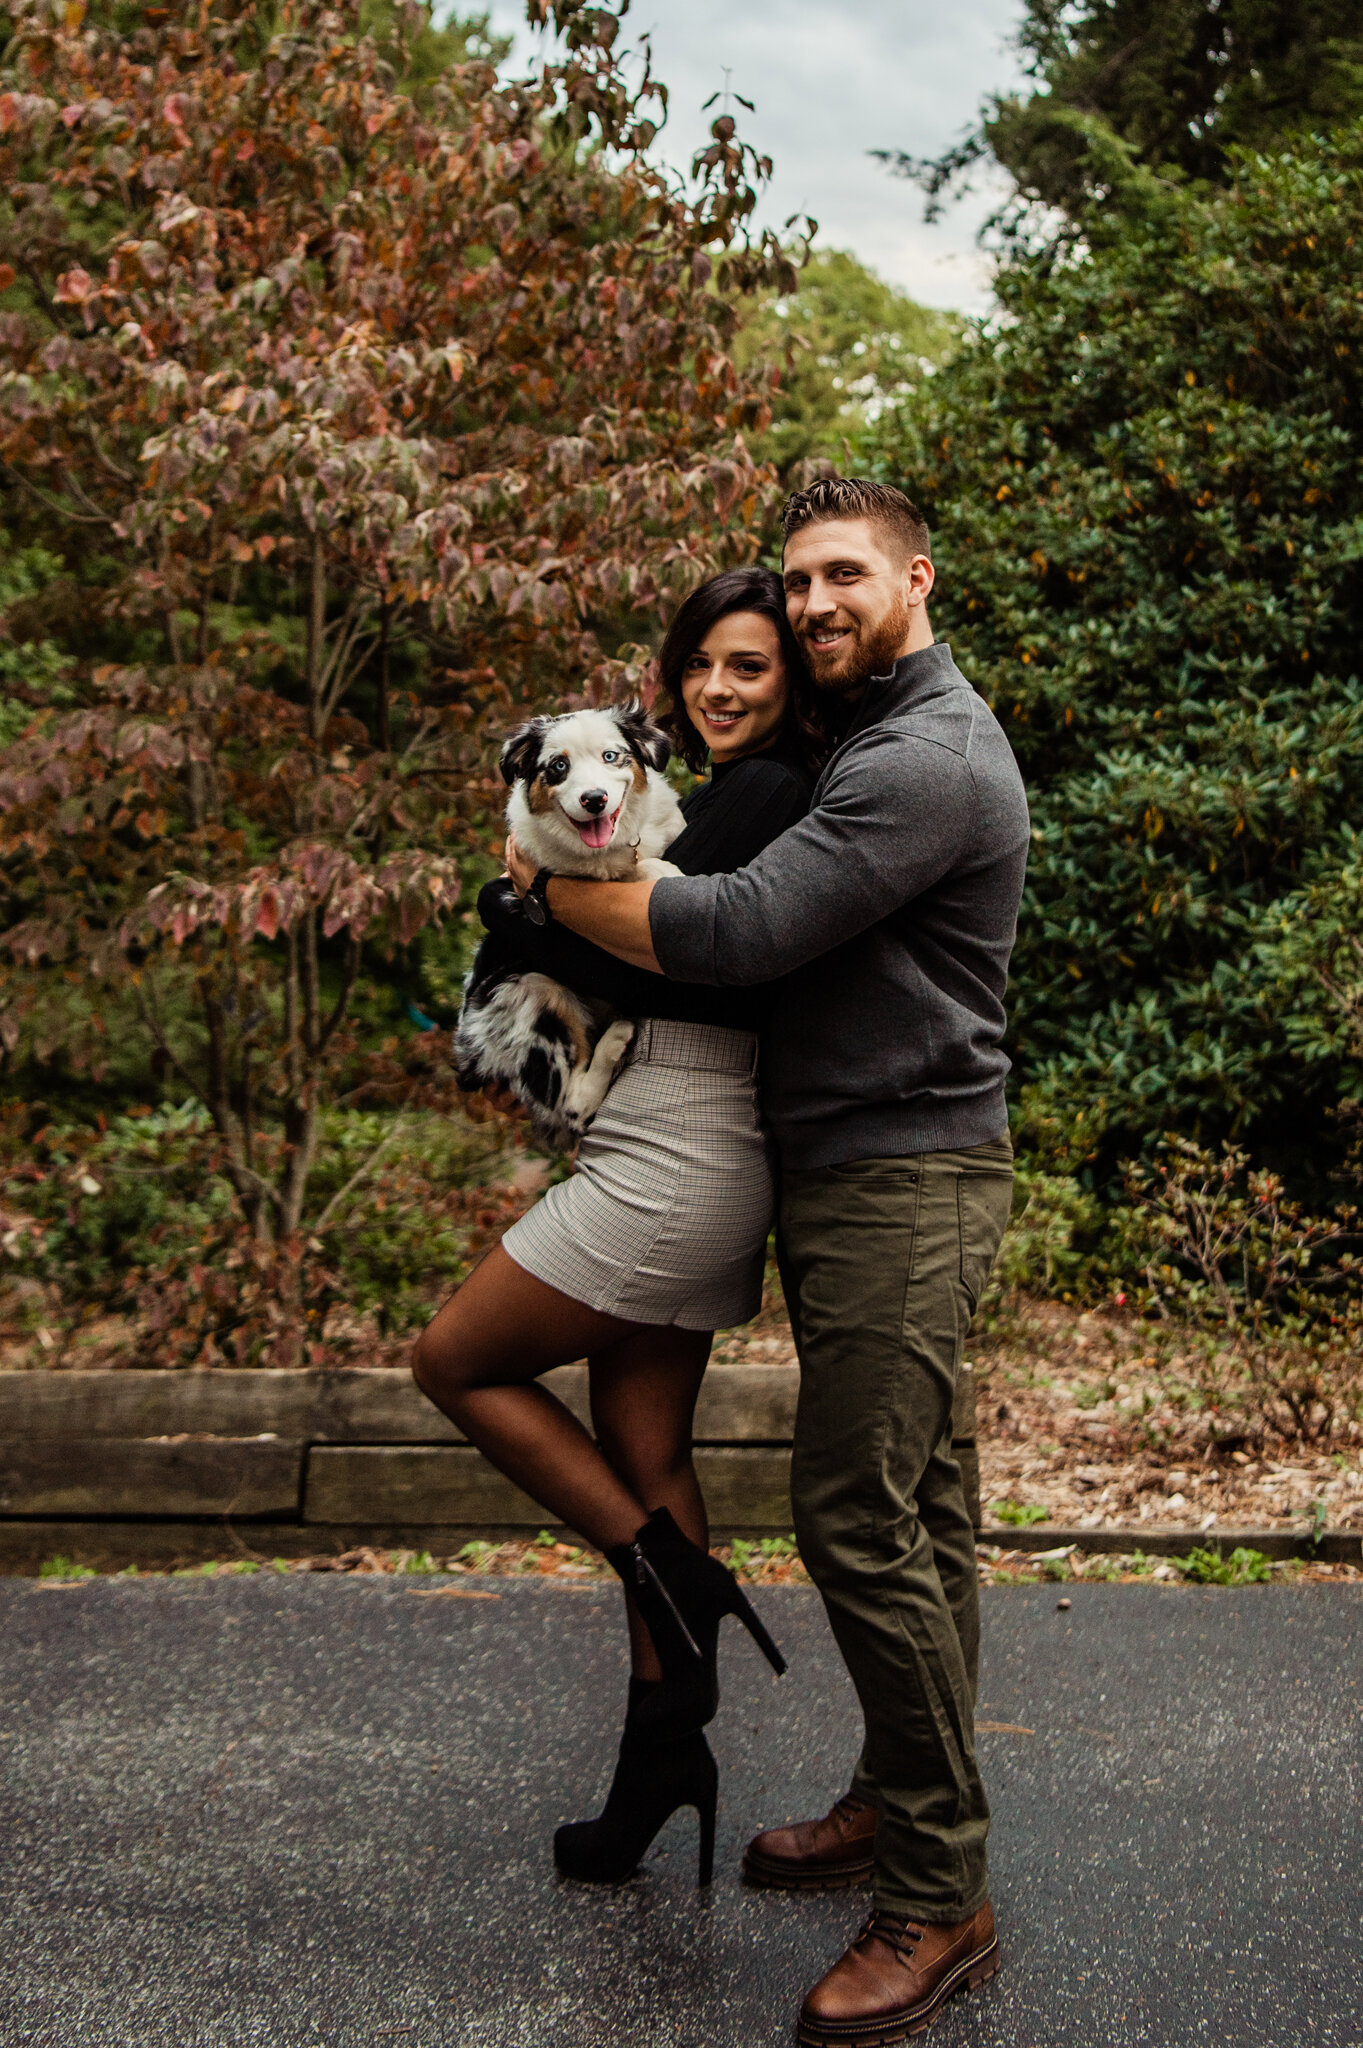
x: 537, y: 900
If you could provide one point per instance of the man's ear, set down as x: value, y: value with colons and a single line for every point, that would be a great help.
x: 920, y: 576
x: 647, y: 742
x: 521, y: 753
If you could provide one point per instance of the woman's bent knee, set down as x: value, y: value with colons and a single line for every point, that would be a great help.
x: 456, y: 1355
x: 442, y: 1366
x: 426, y: 1365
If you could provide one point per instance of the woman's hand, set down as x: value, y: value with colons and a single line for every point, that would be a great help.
x: 521, y: 871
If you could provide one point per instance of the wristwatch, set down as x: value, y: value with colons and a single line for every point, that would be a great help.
x: 536, y: 898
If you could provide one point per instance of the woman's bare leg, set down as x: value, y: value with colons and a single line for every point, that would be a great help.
x: 478, y: 1361
x: 643, y: 1391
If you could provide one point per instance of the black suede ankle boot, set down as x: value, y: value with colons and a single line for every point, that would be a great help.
x: 652, y: 1779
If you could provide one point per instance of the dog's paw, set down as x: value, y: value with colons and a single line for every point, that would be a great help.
x: 615, y: 1041
x: 653, y: 871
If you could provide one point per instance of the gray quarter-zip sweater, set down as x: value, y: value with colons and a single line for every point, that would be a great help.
x: 892, y: 908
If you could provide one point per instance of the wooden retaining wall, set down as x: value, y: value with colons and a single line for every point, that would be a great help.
x: 159, y: 1464
x: 166, y: 1468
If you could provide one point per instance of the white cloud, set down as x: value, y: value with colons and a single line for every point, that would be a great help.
x: 832, y: 80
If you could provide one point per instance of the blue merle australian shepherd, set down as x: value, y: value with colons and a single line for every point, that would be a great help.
x: 588, y: 798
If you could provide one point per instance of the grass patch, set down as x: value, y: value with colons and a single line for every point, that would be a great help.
x: 1243, y: 1567
x: 62, y: 1568
x: 1018, y: 1515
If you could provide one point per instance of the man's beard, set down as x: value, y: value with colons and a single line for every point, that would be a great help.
x: 874, y: 650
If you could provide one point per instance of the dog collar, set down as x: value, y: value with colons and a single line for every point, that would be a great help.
x: 536, y: 898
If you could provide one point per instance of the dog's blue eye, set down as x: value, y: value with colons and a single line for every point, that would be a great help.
x: 611, y: 754
x: 556, y: 769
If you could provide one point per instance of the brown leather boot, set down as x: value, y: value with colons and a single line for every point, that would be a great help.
x: 816, y: 1855
x: 895, y: 1979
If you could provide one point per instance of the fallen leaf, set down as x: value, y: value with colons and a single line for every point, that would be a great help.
x: 1001, y: 1728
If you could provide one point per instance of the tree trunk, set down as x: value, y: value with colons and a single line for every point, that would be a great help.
x: 317, y: 619
x: 385, y: 737
x: 252, y: 1192
x: 300, y: 1136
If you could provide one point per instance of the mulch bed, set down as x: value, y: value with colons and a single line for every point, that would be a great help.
x: 1074, y: 1419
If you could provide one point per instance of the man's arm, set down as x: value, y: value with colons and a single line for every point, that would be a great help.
x: 752, y: 807
x: 891, y: 822
x: 613, y: 915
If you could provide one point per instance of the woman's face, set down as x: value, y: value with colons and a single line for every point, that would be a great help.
x: 735, y: 687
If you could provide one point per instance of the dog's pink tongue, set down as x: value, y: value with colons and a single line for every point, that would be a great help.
x: 596, y: 831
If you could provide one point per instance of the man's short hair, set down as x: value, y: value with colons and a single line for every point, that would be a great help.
x: 852, y: 497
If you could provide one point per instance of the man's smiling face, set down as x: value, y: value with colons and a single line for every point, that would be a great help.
x: 854, y: 604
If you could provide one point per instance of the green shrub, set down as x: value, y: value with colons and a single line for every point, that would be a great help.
x: 34, y: 674
x: 98, y: 1203
x: 1256, y: 1303
x: 1144, y: 484
x: 401, y: 1240
x: 1053, y: 1241
x: 137, y: 1220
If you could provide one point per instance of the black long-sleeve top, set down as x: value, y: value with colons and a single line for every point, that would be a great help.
x: 729, y: 820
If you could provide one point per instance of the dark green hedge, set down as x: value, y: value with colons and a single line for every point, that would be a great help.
x: 1144, y: 483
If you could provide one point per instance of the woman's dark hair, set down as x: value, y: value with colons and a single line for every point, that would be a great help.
x: 736, y: 590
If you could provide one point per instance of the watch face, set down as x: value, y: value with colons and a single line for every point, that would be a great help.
x: 534, y: 908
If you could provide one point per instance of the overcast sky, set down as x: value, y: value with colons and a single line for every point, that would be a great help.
x: 831, y: 80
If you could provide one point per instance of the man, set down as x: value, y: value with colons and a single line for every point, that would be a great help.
x: 892, y: 909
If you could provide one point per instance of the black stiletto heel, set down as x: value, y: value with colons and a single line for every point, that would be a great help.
x: 745, y: 1612
x: 683, y: 1594
x: 652, y: 1780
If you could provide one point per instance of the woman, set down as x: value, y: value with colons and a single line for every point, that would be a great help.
x: 657, y: 1239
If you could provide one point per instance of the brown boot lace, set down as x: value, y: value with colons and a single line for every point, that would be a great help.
x: 849, y: 1806
x: 896, y: 1930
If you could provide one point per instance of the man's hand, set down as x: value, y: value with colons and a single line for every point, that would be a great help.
x: 521, y: 871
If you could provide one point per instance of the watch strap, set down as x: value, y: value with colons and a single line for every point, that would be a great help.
x: 537, y: 899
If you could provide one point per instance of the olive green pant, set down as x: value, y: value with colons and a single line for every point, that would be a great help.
x: 883, y: 1262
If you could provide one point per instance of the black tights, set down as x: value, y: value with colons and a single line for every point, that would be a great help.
x: 479, y: 1361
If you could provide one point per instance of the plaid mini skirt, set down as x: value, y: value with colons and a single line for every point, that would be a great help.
x: 665, y: 1218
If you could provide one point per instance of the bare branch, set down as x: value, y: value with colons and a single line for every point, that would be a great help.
x: 361, y: 1173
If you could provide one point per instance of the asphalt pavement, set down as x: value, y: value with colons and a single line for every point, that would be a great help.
x: 315, y: 1812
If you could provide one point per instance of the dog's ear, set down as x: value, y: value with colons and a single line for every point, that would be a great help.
x: 647, y: 742
x: 521, y: 752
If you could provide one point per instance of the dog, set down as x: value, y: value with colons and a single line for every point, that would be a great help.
x: 588, y: 798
